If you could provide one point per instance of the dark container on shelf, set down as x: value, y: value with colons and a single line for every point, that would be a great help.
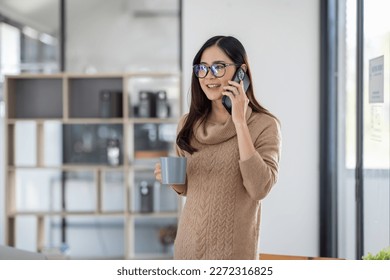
x: 113, y: 152
x: 110, y: 104
x: 146, y: 197
x: 147, y: 104
x: 152, y: 105
x: 90, y: 144
x: 162, y: 105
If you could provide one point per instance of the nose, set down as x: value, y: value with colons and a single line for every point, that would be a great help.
x: 210, y: 74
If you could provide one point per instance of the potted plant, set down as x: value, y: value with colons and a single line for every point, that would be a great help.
x: 383, y: 254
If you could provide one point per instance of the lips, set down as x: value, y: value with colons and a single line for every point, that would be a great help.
x: 213, y: 85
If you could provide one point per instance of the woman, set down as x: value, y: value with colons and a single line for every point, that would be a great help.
x: 232, y: 160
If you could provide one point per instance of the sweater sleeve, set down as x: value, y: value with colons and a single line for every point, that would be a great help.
x: 260, y: 171
x: 180, y: 189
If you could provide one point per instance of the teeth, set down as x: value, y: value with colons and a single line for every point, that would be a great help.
x: 212, y: 86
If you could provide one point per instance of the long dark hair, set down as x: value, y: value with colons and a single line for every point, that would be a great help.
x: 200, y: 105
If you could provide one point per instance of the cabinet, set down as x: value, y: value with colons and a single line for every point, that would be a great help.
x: 80, y: 155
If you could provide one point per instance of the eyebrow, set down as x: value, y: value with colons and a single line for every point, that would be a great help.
x: 214, y: 62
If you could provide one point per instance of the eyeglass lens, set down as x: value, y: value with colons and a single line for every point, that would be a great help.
x: 202, y: 70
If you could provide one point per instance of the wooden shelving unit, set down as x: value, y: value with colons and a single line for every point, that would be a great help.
x: 62, y: 178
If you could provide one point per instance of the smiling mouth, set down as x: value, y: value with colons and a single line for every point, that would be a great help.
x: 213, y: 86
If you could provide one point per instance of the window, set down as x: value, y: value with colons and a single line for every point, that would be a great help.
x: 368, y: 230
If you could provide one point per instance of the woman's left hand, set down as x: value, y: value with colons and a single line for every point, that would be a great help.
x: 235, y: 91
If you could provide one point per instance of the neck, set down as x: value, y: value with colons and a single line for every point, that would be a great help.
x: 218, y: 113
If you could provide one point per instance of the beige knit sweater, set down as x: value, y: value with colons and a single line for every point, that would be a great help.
x: 221, y: 215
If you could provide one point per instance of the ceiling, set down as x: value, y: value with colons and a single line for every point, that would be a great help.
x: 43, y: 15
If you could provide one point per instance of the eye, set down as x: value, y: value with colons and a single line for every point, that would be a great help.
x: 200, y: 70
x: 202, y: 67
x: 218, y: 67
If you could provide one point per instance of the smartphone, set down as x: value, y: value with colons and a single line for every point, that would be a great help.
x: 240, y: 75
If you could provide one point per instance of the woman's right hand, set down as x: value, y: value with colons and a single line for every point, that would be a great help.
x: 157, y: 172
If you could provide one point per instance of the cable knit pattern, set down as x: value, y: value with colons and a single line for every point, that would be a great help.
x: 221, y: 215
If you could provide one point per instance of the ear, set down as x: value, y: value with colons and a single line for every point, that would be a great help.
x: 244, y: 67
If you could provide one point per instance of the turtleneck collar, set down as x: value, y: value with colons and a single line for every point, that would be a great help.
x: 212, y: 133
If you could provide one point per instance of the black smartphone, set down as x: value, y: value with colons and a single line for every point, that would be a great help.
x: 240, y: 75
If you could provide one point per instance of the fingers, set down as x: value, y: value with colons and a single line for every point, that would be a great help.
x: 157, y: 172
x: 232, y: 90
x: 238, y: 86
x: 235, y: 90
x: 239, y: 100
x: 229, y: 94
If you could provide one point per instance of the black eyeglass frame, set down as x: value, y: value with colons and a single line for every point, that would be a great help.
x: 212, y: 67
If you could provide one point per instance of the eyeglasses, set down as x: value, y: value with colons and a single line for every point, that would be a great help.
x: 218, y: 69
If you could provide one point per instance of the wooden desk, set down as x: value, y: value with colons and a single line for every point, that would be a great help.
x: 264, y: 256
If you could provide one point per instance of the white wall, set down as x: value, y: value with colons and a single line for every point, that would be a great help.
x: 2, y: 176
x: 107, y: 36
x: 282, y: 41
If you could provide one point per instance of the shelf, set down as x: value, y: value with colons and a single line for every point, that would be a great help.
x: 155, y: 215
x: 37, y: 120
x: 146, y: 165
x: 104, y: 96
x: 152, y: 257
x: 103, y: 258
x: 32, y: 98
x: 94, y: 213
x: 96, y: 120
x: 34, y: 76
x: 65, y: 214
x: 62, y: 131
x: 153, y: 120
x: 80, y: 167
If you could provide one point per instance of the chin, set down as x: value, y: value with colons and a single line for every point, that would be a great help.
x: 214, y: 96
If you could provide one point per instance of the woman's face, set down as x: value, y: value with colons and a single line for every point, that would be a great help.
x: 211, y: 85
